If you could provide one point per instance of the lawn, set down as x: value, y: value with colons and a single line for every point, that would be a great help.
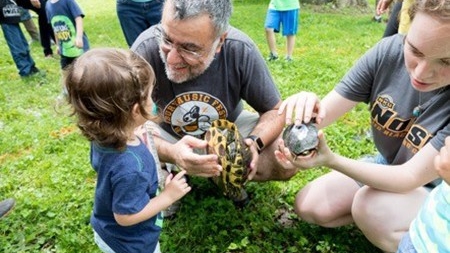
x: 44, y: 159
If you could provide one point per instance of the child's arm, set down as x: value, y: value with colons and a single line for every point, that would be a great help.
x: 174, y: 190
x: 79, y: 27
x: 442, y: 161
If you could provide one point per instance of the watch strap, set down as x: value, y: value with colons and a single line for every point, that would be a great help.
x: 259, y: 143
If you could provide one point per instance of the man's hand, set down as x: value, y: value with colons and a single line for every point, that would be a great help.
x: 198, y: 165
x: 254, y: 162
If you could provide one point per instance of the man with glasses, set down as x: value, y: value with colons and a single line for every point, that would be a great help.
x: 205, y: 70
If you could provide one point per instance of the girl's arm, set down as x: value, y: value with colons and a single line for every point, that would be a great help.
x: 418, y: 171
x: 175, y: 189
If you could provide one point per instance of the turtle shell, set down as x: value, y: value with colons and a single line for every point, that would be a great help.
x: 235, y: 156
x: 301, y: 140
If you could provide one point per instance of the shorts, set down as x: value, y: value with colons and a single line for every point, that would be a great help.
x: 106, y: 249
x: 406, y: 245
x: 377, y: 158
x: 287, y: 19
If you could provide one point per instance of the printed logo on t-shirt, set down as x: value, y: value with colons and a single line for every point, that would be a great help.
x: 65, y: 32
x: 192, y: 113
x: 386, y: 120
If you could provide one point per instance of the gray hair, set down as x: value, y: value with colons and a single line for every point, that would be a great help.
x: 219, y: 11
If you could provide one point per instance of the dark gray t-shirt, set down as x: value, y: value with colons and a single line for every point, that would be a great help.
x: 381, y: 80
x: 237, y: 73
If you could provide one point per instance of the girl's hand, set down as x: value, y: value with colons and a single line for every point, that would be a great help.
x: 320, y: 157
x: 176, y: 186
x: 306, y: 106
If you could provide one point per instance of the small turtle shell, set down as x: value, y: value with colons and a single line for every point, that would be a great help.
x: 301, y: 139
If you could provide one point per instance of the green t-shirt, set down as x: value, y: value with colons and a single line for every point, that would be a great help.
x: 284, y: 5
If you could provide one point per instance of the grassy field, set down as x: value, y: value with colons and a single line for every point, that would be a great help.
x: 44, y: 160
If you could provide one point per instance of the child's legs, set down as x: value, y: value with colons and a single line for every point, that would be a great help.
x: 272, y: 26
x: 289, y: 19
x: 66, y: 61
x: 102, y: 244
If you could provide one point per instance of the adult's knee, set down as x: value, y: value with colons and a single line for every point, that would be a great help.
x: 370, y: 216
x: 311, y: 211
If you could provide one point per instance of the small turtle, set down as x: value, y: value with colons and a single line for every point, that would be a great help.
x: 301, y: 140
x: 235, y: 156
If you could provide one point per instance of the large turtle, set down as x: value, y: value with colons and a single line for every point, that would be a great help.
x: 235, y: 156
x: 301, y: 140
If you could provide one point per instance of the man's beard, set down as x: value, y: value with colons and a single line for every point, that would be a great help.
x: 193, y: 71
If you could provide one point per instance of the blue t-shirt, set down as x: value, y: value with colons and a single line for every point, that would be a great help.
x: 126, y: 181
x: 61, y: 15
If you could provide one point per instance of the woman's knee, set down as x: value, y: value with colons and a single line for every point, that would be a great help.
x: 310, y: 210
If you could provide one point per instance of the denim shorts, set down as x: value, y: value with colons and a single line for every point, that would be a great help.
x: 406, y: 245
x: 377, y: 158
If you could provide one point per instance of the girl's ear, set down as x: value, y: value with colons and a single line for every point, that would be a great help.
x: 135, y: 112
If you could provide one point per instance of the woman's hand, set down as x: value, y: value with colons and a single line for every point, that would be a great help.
x: 302, y: 107
x: 320, y: 157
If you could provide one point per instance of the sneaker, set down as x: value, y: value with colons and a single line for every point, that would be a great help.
x: 272, y: 57
x: 35, y: 72
x: 377, y: 19
x: 288, y: 59
x: 6, y: 206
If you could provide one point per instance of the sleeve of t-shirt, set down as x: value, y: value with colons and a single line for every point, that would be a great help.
x: 357, y: 85
x: 257, y: 85
x: 438, y: 141
x: 75, y: 9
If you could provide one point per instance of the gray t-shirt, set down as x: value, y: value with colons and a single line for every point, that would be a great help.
x: 237, y: 73
x: 381, y: 80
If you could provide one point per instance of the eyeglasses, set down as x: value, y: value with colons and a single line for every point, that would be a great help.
x: 187, y: 54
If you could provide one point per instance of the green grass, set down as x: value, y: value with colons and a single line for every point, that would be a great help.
x: 44, y: 160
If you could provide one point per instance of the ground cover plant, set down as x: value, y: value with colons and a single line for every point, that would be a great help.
x: 44, y: 159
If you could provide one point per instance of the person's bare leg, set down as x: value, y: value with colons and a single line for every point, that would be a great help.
x: 271, y: 41
x: 290, y: 43
x: 327, y: 200
x: 384, y: 217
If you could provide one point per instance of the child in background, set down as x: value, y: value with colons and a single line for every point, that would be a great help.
x: 110, y: 92
x: 66, y: 19
x: 282, y: 13
x: 430, y: 231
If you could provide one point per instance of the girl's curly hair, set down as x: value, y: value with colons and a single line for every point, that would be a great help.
x: 103, y: 85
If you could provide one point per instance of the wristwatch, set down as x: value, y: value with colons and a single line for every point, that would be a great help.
x: 259, y: 143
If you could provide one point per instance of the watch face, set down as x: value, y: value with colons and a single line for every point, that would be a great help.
x: 260, y: 143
